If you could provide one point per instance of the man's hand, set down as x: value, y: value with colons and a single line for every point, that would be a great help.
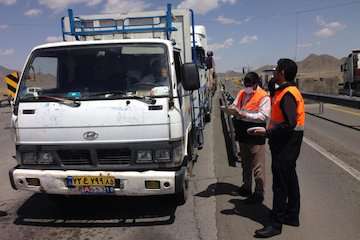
x: 237, y: 113
x: 231, y: 110
x: 241, y: 114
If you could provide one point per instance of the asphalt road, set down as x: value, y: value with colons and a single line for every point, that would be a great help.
x: 330, y: 198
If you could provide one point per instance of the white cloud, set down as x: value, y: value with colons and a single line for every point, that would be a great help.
x: 58, y: 5
x: 202, y: 7
x: 248, y: 19
x: 227, y: 21
x: 7, y: 2
x: 328, y: 29
x: 218, y: 58
x: 7, y: 52
x: 50, y: 39
x: 124, y: 6
x: 248, y: 39
x: 229, y: 1
x: 93, y: 2
x: 3, y: 26
x: 33, y: 12
x: 305, y: 45
x: 325, y: 32
x: 226, y: 44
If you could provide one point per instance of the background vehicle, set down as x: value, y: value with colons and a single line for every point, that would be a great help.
x: 114, y: 109
x: 351, y: 74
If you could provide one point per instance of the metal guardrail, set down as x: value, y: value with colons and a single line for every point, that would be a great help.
x: 228, y: 128
x: 338, y: 100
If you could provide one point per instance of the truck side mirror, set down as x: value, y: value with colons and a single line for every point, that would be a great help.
x: 190, y: 77
x: 343, y: 68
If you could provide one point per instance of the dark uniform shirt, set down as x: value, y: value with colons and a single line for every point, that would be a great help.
x: 288, y: 107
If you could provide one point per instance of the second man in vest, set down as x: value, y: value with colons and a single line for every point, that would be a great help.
x: 253, y: 110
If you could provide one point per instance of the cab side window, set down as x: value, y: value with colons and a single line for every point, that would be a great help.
x: 178, y: 64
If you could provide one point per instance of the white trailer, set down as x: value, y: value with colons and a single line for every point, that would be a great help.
x: 117, y: 108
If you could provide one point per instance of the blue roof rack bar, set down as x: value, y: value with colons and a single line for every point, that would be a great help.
x: 78, y: 28
x: 193, y: 36
x: 168, y: 21
x: 72, y: 23
x: 62, y: 28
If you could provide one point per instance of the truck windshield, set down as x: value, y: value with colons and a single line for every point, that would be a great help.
x: 97, y: 72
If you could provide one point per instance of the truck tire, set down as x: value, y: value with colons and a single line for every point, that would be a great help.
x: 182, y: 195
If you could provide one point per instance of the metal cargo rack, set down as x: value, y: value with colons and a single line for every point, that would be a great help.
x: 109, y: 26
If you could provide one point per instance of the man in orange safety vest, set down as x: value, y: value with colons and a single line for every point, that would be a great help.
x: 253, y: 110
x: 285, y: 133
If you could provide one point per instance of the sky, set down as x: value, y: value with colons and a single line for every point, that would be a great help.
x: 242, y: 33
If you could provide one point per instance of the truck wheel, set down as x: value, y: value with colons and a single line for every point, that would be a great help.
x: 182, y: 196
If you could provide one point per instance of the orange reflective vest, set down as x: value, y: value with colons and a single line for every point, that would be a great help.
x: 277, y: 116
x: 253, y: 105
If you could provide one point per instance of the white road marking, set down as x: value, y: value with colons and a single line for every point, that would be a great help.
x: 352, y: 171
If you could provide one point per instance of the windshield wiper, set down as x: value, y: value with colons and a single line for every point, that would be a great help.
x: 65, y: 101
x: 111, y: 93
x: 122, y: 95
x: 145, y: 99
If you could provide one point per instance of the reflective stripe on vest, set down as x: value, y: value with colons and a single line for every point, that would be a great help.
x: 277, y: 116
x: 253, y: 104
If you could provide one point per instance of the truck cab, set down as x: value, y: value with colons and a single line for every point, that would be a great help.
x: 351, y: 74
x: 111, y: 109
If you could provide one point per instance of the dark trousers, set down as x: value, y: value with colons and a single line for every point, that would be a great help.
x: 286, y: 198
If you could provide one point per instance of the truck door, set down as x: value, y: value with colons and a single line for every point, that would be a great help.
x: 183, y: 96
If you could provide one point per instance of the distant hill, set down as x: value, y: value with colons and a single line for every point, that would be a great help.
x: 316, y: 73
x: 4, y: 71
x: 265, y: 67
x: 311, y: 64
x: 319, y: 63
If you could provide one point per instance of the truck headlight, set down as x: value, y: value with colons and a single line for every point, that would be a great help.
x: 177, y: 154
x: 28, y: 157
x: 45, y: 158
x: 144, y: 156
x: 162, y: 155
x: 33, y: 158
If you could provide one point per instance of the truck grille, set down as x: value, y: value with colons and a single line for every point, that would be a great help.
x: 113, y: 156
x: 74, y: 157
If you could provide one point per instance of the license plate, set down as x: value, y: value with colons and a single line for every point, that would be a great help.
x: 96, y: 190
x: 90, y: 181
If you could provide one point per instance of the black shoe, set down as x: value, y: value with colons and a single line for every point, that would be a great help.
x: 292, y: 221
x: 244, y: 192
x: 268, y: 231
x: 256, y: 198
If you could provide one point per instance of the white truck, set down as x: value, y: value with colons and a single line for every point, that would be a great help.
x: 351, y: 75
x: 119, y: 107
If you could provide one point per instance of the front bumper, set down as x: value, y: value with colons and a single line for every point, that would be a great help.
x: 54, y: 181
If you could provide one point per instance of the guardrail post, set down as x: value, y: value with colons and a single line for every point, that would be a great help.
x: 321, y: 107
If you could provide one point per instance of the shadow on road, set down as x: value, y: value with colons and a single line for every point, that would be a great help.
x: 91, y: 211
x: 255, y: 212
x: 3, y: 214
x: 219, y: 188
